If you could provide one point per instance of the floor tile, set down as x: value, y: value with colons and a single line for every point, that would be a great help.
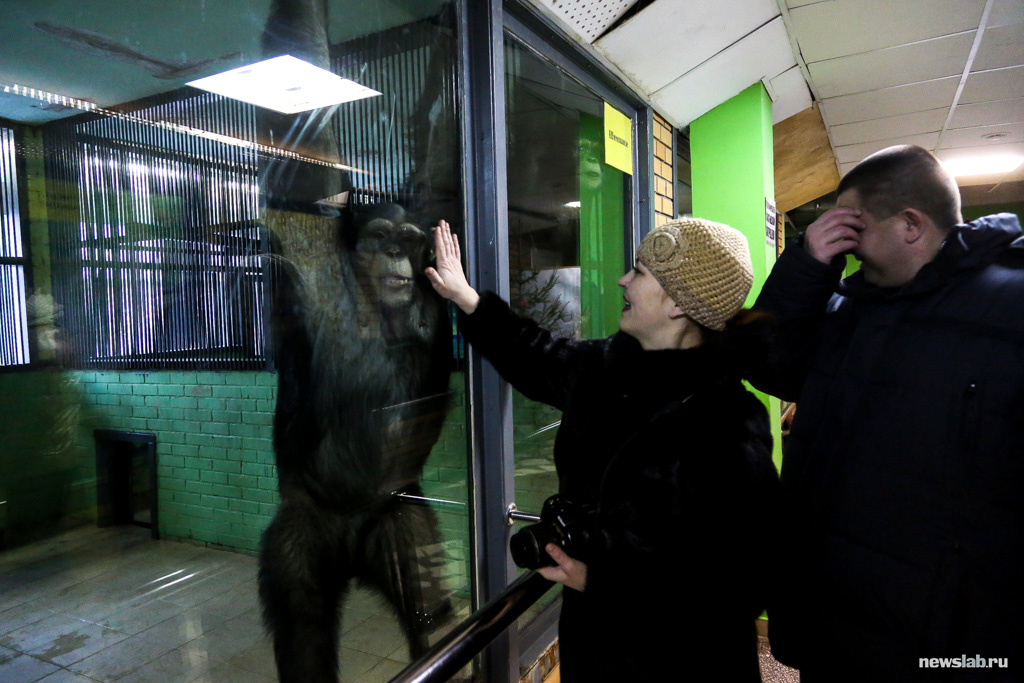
x: 121, y: 658
x: 24, y: 668
x: 138, y: 618
x: 22, y: 615
x: 227, y: 673
x: 77, y: 645
x: 38, y: 634
x: 177, y: 666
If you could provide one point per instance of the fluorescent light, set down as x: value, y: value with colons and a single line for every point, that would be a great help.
x: 993, y: 163
x: 573, y: 205
x: 285, y: 84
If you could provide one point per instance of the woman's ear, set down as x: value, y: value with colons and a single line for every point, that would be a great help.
x: 676, y: 313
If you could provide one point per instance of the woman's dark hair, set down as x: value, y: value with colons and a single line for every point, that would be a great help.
x: 905, y: 176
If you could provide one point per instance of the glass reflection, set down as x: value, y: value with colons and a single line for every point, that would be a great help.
x: 246, y: 287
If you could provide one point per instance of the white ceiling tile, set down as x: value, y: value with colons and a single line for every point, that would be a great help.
x: 986, y: 113
x: 763, y: 54
x: 998, y: 84
x: 856, y: 153
x: 1006, y: 12
x: 890, y: 101
x: 670, y: 37
x: 1000, y: 47
x: 789, y: 94
x: 980, y: 136
x: 921, y: 61
x: 964, y: 152
x: 893, y: 126
x: 802, y: 3
x: 588, y: 18
x: 823, y: 29
x: 847, y: 167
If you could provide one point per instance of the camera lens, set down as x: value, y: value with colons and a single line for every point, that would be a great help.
x: 527, y: 546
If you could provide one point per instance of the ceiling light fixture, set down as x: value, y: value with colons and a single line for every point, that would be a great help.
x: 573, y: 205
x: 993, y: 163
x: 285, y: 84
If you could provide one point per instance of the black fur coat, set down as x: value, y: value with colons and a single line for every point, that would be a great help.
x: 677, y: 456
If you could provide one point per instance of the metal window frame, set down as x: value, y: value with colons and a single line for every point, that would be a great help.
x: 482, y: 25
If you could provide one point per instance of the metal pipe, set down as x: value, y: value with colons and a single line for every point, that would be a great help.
x: 468, y: 639
x: 424, y: 500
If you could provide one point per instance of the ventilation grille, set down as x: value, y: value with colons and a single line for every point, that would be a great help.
x: 589, y: 18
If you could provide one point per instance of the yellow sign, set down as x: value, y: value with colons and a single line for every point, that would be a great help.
x: 618, y: 139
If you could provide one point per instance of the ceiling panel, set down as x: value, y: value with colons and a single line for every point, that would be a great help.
x: 588, y: 18
x: 1000, y: 111
x: 982, y: 136
x: 962, y: 152
x: 921, y: 61
x: 905, y: 124
x: 789, y: 94
x: 1000, y: 46
x: 763, y: 54
x: 890, y: 101
x: 1006, y: 12
x: 998, y: 84
x: 823, y: 29
x: 692, y: 32
x: 802, y: 3
x: 855, y: 153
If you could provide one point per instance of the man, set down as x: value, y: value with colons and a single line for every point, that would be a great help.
x: 904, y: 475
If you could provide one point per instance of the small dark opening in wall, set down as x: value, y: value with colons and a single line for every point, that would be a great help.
x: 126, y: 491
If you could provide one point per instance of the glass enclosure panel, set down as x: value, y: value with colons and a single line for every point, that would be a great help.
x: 228, y: 210
x: 566, y: 237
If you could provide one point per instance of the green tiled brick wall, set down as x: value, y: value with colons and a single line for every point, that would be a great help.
x: 216, y: 479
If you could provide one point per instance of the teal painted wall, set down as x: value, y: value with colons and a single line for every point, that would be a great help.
x: 733, y: 172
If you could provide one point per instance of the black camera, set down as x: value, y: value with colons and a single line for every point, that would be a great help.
x: 568, y: 525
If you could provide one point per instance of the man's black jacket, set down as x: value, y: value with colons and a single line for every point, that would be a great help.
x: 904, y: 474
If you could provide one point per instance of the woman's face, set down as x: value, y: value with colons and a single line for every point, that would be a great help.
x: 649, y: 310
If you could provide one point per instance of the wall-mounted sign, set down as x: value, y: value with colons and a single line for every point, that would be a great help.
x: 770, y: 222
x: 618, y: 139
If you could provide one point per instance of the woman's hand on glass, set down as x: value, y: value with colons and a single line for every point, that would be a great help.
x: 447, y: 276
x: 567, y: 571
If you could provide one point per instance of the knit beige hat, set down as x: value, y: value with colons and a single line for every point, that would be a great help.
x: 705, y: 267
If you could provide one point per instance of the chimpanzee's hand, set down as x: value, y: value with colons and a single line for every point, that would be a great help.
x: 568, y: 572
x: 448, y: 278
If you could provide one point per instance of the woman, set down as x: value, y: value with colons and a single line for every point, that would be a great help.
x: 658, y: 432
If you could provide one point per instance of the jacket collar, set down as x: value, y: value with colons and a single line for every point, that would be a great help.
x: 661, y: 375
x: 968, y: 246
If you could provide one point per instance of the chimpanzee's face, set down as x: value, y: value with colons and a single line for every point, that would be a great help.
x: 390, y: 256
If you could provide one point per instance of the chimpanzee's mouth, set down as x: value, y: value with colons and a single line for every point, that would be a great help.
x: 397, y: 281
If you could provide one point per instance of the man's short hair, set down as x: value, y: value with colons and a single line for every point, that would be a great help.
x: 905, y: 176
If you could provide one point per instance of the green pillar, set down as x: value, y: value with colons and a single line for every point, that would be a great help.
x: 733, y: 172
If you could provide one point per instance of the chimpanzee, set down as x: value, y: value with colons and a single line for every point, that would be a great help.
x: 363, y: 380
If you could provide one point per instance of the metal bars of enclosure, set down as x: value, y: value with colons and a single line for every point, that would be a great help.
x: 156, y: 247
x: 14, y: 348
x: 386, y: 137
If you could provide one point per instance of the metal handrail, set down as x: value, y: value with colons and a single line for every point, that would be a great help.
x: 469, y: 638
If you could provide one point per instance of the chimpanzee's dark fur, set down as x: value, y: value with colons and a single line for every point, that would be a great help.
x: 362, y: 382
x: 363, y: 354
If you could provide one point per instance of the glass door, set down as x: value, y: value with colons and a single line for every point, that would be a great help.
x: 568, y: 212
